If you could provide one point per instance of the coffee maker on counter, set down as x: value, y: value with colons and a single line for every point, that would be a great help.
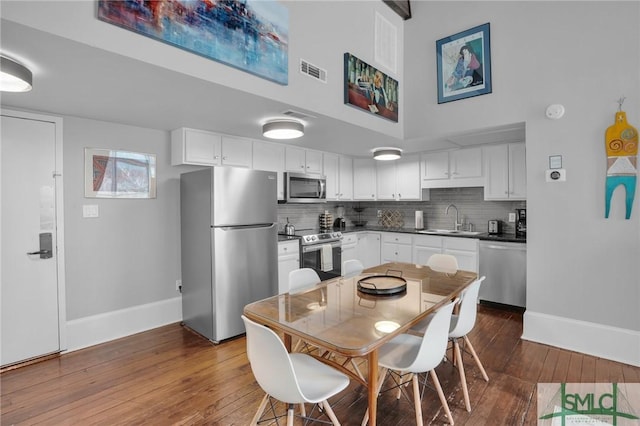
x: 521, y: 223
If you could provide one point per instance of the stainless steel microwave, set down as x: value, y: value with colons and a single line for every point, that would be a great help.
x: 303, y: 188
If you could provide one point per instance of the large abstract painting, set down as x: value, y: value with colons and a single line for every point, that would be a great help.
x: 251, y: 35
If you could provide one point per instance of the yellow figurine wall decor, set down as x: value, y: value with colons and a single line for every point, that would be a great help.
x: 621, y: 141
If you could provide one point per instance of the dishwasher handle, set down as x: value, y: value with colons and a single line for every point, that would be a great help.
x: 498, y: 247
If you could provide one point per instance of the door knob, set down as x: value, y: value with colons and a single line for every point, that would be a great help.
x: 46, y: 246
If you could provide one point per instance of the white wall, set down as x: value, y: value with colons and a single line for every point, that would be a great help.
x: 130, y: 254
x: 319, y: 32
x: 583, y: 275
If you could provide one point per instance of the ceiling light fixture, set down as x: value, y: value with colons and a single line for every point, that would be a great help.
x: 14, y: 77
x: 385, y: 154
x: 282, y: 129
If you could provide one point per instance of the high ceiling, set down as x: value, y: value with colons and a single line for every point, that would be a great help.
x: 78, y: 80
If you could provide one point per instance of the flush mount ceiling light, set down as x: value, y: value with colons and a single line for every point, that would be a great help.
x: 282, y: 129
x: 385, y: 154
x: 14, y: 77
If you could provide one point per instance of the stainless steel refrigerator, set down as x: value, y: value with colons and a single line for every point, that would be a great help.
x: 229, y: 246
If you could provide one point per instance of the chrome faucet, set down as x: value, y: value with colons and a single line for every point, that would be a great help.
x: 456, y: 223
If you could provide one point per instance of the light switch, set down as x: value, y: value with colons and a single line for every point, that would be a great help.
x: 90, y: 210
x: 512, y: 217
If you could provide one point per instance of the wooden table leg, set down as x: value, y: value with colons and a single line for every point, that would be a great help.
x: 287, y: 342
x: 373, y: 391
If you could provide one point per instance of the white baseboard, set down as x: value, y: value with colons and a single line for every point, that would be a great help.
x: 89, y: 331
x: 616, y: 344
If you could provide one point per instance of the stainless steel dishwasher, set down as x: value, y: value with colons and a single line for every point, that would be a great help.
x: 505, y: 266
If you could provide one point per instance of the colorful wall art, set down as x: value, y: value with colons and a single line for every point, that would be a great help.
x: 251, y: 35
x: 368, y: 88
x: 621, y: 141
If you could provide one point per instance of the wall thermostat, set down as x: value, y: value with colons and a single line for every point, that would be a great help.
x: 556, y: 175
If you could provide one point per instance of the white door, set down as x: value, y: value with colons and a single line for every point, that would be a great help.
x: 29, y: 289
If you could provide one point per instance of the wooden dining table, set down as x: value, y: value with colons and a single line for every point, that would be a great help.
x: 338, y: 317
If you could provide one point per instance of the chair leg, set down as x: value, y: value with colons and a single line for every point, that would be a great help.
x: 355, y: 367
x: 330, y: 413
x: 261, y: 407
x: 463, y: 379
x: 383, y: 374
x: 475, y: 357
x: 303, y: 412
x: 416, y: 400
x: 443, y: 400
x: 290, y: 415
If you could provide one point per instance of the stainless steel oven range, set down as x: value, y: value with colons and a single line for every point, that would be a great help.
x: 322, y: 252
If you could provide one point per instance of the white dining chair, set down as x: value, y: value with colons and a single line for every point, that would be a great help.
x: 440, y: 262
x: 351, y: 268
x: 294, y: 378
x: 461, y: 324
x: 408, y: 353
x: 302, y: 279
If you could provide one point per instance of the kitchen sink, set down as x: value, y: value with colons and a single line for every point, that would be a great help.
x: 448, y: 232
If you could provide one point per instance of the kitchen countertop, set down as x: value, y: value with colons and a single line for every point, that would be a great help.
x: 503, y: 238
x: 507, y: 238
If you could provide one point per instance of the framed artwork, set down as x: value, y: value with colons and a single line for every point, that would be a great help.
x: 464, y: 64
x: 251, y: 35
x: 369, y: 89
x: 119, y: 174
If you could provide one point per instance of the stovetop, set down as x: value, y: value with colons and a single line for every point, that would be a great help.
x: 318, y: 236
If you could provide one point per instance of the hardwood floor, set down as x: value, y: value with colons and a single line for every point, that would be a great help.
x: 170, y: 376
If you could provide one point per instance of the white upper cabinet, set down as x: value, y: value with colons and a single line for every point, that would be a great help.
x: 191, y: 146
x: 270, y: 157
x: 236, y: 152
x: 302, y: 160
x: 339, y: 173
x: 505, y: 172
x: 400, y: 179
x: 202, y: 148
x: 364, y: 179
x: 449, y: 169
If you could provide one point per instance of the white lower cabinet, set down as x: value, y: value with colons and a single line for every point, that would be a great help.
x: 288, y: 260
x: 368, y: 248
x: 349, y: 247
x: 465, y: 250
x: 396, y: 247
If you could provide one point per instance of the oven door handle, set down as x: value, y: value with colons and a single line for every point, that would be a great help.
x: 317, y: 247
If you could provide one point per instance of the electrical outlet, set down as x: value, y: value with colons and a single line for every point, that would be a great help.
x: 512, y: 217
x: 179, y: 285
x: 379, y: 213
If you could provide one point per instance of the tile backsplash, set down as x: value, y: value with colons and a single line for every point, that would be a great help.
x: 470, y: 202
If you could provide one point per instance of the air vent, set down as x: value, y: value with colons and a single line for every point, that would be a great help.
x: 313, y: 71
x: 297, y: 114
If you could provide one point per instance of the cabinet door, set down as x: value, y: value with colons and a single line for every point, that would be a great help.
x: 346, y: 178
x: 386, y: 180
x: 270, y: 157
x: 288, y: 260
x: 364, y: 179
x: 408, y: 178
x: 517, y: 171
x: 422, y: 253
x: 368, y: 249
x: 466, y: 163
x: 295, y: 159
x: 331, y: 171
x: 191, y: 146
x: 313, y: 162
x: 496, y: 184
x: 236, y: 152
x: 435, y: 166
x: 467, y: 260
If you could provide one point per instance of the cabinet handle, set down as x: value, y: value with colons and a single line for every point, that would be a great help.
x: 399, y: 196
x: 454, y: 173
x: 373, y: 195
x: 215, y: 157
x: 506, y: 192
x: 224, y: 158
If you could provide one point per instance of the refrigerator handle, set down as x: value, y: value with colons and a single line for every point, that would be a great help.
x: 255, y: 225
x: 321, y: 184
